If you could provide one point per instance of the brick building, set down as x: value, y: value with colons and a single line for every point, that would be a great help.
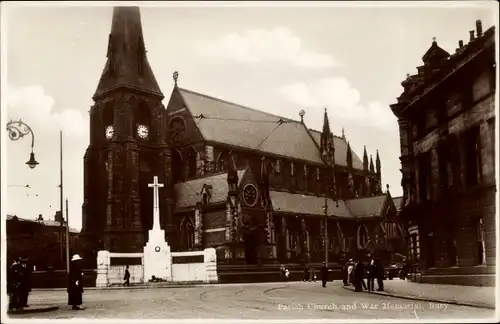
x: 251, y: 184
x: 39, y: 240
x: 447, y: 127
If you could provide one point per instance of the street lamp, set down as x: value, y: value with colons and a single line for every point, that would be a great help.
x: 325, y: 209
x: 19, y: 129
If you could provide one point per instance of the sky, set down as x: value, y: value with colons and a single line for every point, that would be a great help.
x: 349, y: 59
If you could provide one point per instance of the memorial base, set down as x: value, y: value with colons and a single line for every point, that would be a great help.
x: 157, y: 257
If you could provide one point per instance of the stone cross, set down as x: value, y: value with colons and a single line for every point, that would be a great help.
x: 156, y: 208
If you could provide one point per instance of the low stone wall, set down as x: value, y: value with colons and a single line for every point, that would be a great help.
x: 270, y: 272
x: 59, y: 279
x: 196, y: 266
x: 465, y: 276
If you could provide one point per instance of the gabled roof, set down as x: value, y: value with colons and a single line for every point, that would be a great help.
x: 398, y: 202
x: 50, y: 223
x: 188, y: 193
x: 233, y: 124
x: 367, y: 207
x: 127, y: 64
x: 306, y: 204
x: 340, y: 145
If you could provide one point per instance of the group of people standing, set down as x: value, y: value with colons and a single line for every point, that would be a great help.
x: 355, y: 272
x: 19, y: 283
x: 309, y: 273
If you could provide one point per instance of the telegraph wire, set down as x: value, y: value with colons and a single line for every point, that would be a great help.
x: 279, y: 121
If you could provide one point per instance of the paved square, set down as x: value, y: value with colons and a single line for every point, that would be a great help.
x: 249, y: 301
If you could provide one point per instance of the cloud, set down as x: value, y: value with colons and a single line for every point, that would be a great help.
x: 259, y: 45
x: 36, y: 108
x: 342, y: 101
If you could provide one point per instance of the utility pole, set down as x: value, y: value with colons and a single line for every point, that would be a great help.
x: 326, y: 231
x: 61, y: 193
x: 67, y: 237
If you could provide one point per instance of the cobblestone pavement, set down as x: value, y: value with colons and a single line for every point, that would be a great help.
x: 249, y: 301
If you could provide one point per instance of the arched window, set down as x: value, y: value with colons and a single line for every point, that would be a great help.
x: 362, y: 236
x: 220, y: 163
x: 177, y: 164
x: 187, y: 234
x: 190, y: 162
x: 142, y: 122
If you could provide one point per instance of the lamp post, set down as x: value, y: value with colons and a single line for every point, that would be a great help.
x: 19, y: 129
x: 325, y: 209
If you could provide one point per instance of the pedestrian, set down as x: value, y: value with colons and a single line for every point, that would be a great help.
x: 324, y: 274
x: 75, y: 285
x: 24, y: 281
x: 287, y: 274
x: 13, y: 285
x: 380, y: 275
x: 350, y: 272
x: 372, y: 274
x: 312, y: 275
x: 305, y: 276
x: 126, y: 277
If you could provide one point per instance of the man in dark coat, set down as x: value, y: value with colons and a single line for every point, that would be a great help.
x: 24, y: 281
x: 324, y: 274
x: 75, y: 287
x: 13, y: 285
x: 359, y: 274
x: 372, y: 274
x: 305, y: 276
x: 380, y: 275
x: 126, y: 277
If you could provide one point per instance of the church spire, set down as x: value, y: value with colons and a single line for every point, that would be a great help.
x: 372, y: 169
x: 377, y: 163
x: 365, y: 160
x: 349, y: 155
x: 325, y: 135
x: 127, y: 64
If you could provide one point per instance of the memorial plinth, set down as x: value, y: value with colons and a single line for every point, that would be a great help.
x: 157, y: 255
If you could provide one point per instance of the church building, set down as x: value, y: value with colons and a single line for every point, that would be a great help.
x: 259, y: 188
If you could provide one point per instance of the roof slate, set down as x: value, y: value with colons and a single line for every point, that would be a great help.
x: 306, y: 204
x: 237, y: 125
x: 188, y: 193
x: 51, y: 223
x: 398, y: 202
x: 367, y: 207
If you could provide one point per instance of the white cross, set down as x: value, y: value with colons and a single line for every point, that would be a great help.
x: 156, y: 212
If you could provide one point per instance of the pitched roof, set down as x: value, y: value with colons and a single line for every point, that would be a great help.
x: 398, y: 202
x: 126, y: 56
x: 306, y: 204
x: 340, y: 145
x: 188, y: 193
x: 51, y: 223
x: 255, y: 129
x: 367, y: 207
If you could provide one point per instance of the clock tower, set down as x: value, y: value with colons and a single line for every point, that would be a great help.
x: 128, y: 146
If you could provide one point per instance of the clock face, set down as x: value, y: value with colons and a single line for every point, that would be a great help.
x: 109, y: 132
x: 142, y: 131
x: 250, y: 195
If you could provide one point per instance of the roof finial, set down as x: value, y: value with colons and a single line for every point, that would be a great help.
x: 301, y: 114
x: 433, y: 39
x: 343, y: 133
x: 387, y: 186
x: 175, y: 76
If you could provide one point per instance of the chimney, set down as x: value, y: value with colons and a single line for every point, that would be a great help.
x: 479, y: 28
x: 58, y: 216
x: 471, y: 35
x: 40, y: 217
x: 460, y: 43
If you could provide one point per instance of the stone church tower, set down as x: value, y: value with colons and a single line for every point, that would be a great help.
x: 128, y: 145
